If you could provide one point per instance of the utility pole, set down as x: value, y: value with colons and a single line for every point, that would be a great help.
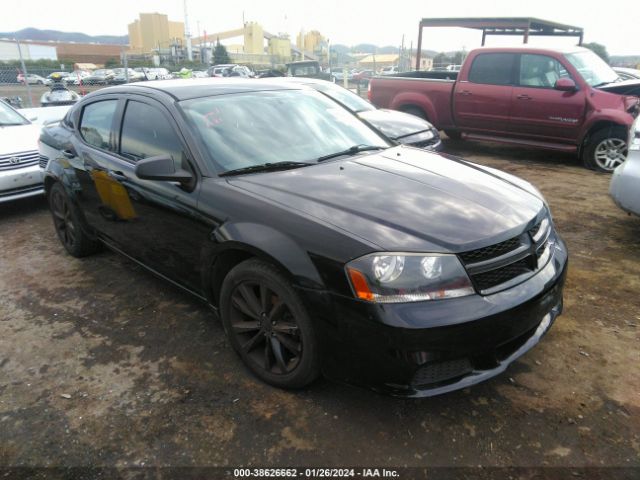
x: 187, y: 33
x: 24, y: 73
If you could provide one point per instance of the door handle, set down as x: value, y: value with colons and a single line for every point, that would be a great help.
x: 466, y: 93
x: 69, y: 153
x: 524, y: 97
x: 119, y: 176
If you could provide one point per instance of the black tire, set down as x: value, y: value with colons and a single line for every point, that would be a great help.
x: 412, y: 110
x: 453, y: 134
x: 68, y: 224
x: 605, y: 149
x: 268, y: 325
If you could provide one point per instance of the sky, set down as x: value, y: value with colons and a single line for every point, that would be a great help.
x: 346, y: 22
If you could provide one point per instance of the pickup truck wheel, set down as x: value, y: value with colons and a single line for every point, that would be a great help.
x: 268, y: 325
x: 606, y: 149
x: 453, y: 134
x: 68, y: 224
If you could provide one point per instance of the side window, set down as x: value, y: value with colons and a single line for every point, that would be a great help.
x: 95, y: 125
x: 540, y: 71
x: 492, y: 68
x: 146, y: 133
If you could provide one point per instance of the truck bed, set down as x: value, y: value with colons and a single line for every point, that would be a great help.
x: 437, y: 75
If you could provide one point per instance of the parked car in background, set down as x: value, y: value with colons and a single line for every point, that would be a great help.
x: 323, y: 248
x: 230, y: 70
x: 159, y: 73
x: 32, y: 79
x: 627, y: 73
x: 199, y: 74
x: 20, y: 173
x: 401, y: 127
x: 568, y: 100
x: 392, y: 70
x: 76, y: 77
x: 363, y: 76
x: 625, y: 182
x: 45, y: 115
x: 130, y: 75
x: 307, y: 69
x: 102, y: 76
x: 60, y: 75
x: 338, y: 74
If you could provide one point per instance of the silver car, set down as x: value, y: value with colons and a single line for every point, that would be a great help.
x: 20, y: 172
x: 625, y: 183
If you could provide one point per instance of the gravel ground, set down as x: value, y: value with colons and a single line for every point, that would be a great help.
x: 103, y: 364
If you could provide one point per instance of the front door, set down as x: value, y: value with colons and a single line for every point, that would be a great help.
x: 538, y: 109
x: 155, y: 222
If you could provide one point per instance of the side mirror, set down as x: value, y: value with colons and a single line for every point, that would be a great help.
x: 565, y: 85
x: 161, y: 168
x: 32, y: 118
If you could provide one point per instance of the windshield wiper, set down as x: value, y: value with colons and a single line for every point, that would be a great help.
x: 351, y: 151
x: 264, y: 167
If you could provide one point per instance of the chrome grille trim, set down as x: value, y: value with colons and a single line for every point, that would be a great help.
x: 19, y: 160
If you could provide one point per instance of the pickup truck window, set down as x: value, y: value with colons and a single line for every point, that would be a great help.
x: 540, y: 71
x: 493, y: 68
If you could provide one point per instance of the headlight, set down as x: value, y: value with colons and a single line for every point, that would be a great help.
x: 417, y: 137
x: 408, y: 277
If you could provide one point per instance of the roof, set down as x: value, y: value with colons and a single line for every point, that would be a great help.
x: 506, y: 25
x: 380, y: 58
x: 183, y: 89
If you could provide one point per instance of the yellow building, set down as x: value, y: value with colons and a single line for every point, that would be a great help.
x: 253, y: 38
x: 312, y: 41
x: 280, y: 47
x: 152, y: 31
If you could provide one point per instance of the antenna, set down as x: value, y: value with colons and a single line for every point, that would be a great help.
x: 187, y: 33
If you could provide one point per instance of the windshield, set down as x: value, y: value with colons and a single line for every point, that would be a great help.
x: 592, y: 68
x: 8, y: 116
x: 245, y: 129
x: 347, y: 98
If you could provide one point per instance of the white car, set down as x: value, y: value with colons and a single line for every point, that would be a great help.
x: 20, y: 172
x: 390, y: 70
x: 625, y: 182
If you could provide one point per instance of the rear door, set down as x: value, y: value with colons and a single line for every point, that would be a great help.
x: 537, y: 109
x: 482, y: 101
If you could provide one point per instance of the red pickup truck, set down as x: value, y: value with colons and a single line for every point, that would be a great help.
x: 567, y: 100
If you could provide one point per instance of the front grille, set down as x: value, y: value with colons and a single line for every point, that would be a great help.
x: 492, y: 251
x: 441, y: 372
x: 492, y: 278
x: 43, y: 161
x: 19, y: 160
x: 491, y: 266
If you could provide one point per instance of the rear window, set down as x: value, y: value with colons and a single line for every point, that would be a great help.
x: 493, y: 69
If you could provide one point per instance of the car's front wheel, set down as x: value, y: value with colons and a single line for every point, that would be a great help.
x: 68, y: 225
x: 268, y: 325
x: 606, y: 149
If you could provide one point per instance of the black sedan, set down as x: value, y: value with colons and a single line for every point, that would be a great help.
x: 323, y: 248
x: 404, y: 128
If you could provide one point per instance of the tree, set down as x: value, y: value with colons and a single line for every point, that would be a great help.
x: 111, y: 63
x: 440, y: 59
x: 220, y: 55
x: 598, y: 49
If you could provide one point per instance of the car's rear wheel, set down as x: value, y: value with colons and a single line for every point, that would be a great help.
x: 67, y: 222
x: 606, y: 149
x: 268, y: 325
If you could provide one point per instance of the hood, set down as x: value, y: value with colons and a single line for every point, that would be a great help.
x: 395, y: 124
x: 19, y: 138
x: 403, y: 199
x: 628, y: 87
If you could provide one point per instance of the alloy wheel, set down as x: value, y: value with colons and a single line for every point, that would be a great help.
x: 610, y: 153
x: 265, y: 328
x: 63, y: 219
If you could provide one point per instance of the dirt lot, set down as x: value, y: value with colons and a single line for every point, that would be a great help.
x: 152, y: 381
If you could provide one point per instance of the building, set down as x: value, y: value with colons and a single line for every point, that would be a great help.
x: 280, y: 47
x: 30, y: 51
x: 154, y: 31
x: 379, y: 61
x: 63, y: 52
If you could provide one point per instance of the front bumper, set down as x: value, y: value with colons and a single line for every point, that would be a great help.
x: 429, y: 348
x: 624, y: 184
x: 21, y: 183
